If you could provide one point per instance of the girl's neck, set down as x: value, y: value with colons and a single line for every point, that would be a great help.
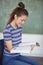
x: 13, y: 24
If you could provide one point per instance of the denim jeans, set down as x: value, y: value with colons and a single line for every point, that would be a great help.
x: 19, y: 60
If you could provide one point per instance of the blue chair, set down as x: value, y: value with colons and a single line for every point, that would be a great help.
x: 1, y: 50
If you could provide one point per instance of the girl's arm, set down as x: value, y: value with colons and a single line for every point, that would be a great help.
x: 9, y: 45
x: 10, y: 48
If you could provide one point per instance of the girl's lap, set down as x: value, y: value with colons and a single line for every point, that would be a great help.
x: 17, y: 62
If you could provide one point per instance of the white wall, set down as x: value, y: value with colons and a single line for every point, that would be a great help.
x: 30, y: 38
x: 1, y: 35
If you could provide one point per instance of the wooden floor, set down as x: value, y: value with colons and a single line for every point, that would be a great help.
x: 39, y: 59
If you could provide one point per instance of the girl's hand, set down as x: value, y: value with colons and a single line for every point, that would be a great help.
x: 32, y: 47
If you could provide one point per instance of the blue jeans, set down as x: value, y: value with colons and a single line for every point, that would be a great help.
x: 19, y: 60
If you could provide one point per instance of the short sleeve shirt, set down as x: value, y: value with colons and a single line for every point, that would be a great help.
x: 15, y: 35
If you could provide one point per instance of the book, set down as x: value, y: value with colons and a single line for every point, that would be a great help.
x: 23, y: 47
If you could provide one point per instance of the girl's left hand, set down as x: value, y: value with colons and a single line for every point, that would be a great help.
x: 32, y: 47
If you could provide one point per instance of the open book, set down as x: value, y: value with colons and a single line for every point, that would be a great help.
x: 23, y: 47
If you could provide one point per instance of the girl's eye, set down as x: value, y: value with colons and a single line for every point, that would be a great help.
x: 22, y: 20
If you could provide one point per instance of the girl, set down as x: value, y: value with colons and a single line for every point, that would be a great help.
x: 12, y: 38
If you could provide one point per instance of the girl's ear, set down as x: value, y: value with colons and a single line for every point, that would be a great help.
x: 15, y: 17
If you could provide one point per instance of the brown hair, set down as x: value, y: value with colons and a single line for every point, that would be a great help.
x: 20, y: 10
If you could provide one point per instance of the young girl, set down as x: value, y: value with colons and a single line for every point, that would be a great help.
x: 12, y: 38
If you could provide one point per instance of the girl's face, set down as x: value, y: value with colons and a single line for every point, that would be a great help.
x: 19, y: 21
